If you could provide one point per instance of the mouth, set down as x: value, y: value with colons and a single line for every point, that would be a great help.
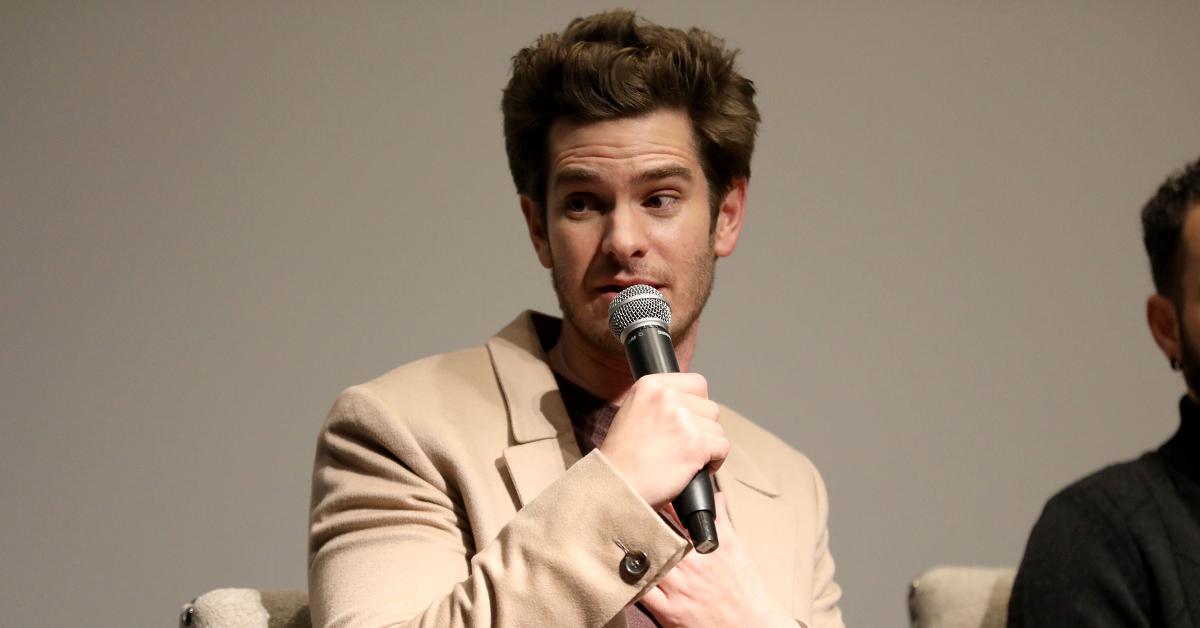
x: 610, y: 291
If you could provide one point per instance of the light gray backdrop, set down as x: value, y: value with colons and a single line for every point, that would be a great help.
x: 217, y: 215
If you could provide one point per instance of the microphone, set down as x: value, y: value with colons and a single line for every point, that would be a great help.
x: 641, y: 318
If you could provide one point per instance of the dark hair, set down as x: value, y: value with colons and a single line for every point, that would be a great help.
x: 613, y: 65
x: 1162, y: 226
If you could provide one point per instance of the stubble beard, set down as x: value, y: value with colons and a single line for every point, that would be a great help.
x: 1190, y: 359
x: 591, y: 317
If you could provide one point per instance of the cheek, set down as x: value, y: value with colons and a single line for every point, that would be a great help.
x: 571, y: 251
x: 1191, y: 324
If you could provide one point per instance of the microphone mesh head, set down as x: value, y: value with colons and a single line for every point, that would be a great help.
x: 637, y: 303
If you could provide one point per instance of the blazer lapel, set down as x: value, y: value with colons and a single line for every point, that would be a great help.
x: 543, y: 443
x: 760, y: 519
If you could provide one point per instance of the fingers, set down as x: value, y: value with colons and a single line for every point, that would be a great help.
x: 656, y: 602
x: 719, y: 447
x: 665, y: 431
x: 700, y: 406
x: 690, y: 383
x: 669, y: 511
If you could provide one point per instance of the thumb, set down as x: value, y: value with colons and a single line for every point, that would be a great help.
x: 669, y: 512
x: 657, y: 603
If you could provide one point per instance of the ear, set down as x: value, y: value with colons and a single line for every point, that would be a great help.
x: 1164, y: 326
x: 537, y: 234
x: 730, y: 216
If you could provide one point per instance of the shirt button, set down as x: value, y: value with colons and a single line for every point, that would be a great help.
x: 635, y: 563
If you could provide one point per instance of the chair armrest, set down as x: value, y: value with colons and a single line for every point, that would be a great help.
x: 247, y: 608
x: 961, y: 597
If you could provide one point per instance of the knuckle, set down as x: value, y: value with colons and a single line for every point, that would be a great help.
x: 645, y: 384
x: 693, y: 444
x: 681, y: 420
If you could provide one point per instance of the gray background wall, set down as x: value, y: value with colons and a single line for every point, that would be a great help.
x: 217, y: 215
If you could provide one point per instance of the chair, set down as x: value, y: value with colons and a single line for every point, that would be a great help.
x: 961, y: 597
x: 943, y: 597
x: 247, y: 608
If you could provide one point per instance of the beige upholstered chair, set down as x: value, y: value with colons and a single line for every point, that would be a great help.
x: 961, y: 597
x: 943, y: 597
x: 247, y: 608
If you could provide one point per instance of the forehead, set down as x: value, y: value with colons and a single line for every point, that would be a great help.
x: 660, y: 137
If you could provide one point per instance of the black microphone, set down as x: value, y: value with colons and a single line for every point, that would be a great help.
x: 641, y: 318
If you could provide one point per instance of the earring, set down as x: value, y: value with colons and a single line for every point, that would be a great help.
x: 1175, y: 364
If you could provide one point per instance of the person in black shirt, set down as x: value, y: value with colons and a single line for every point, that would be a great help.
x: 1121, y: 547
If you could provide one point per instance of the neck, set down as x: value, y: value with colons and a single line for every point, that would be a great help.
x: 603, y: 373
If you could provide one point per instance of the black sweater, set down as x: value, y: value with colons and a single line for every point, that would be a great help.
x: 1120, y: 547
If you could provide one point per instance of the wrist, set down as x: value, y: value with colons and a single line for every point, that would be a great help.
x: 615, y: 462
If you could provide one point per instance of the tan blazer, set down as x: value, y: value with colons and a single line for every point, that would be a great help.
x: 451, y: 492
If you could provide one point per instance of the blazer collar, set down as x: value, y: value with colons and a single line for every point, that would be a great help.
x: 739, y: 466
x: 536, y: 413
x: 535, y: 409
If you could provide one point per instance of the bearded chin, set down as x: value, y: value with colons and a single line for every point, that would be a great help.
x: 591, y: 317
x: 1190, y: 359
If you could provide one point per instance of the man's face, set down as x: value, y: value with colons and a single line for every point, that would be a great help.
x: 627, y: 203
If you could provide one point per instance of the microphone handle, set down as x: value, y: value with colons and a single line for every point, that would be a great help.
x: 650, y: 350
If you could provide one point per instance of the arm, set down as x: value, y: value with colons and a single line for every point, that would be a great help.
x: 825, y: 592
x: 390, y: 543
x: 1081, y: 568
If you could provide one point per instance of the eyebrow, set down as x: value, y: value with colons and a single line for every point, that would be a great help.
x: 575, y: 175
x: 583, y: 175
x: 665, y: 172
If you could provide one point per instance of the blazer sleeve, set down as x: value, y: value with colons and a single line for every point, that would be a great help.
x: 825, y: 591
x: 390, y: 542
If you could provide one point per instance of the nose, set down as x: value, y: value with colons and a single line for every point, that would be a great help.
x: 625, y: 235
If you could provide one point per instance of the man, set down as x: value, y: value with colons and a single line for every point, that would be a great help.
x: 527, y: 482
x: 1122, y: 547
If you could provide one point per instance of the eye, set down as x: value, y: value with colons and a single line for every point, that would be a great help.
x: 661, y: 201
x: 578, y: 204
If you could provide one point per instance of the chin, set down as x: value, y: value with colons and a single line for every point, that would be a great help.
x: 598, y: 333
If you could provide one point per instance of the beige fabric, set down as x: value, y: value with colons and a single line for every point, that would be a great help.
x: 961, y: 597
x: 247, y: 608
x: 451, y: 492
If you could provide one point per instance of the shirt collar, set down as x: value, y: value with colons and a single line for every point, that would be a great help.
x: 1184, y: 447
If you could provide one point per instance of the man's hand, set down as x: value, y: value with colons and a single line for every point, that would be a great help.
x: 721, y: 589
x: 665, y: 431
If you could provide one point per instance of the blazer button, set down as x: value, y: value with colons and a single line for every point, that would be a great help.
x: 635, y: 563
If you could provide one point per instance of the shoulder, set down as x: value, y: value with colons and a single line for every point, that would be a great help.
x: 786, y: 468
x: 434, y: 379
x: 430, y: 395
x: 1116, y: 492
x: 755, y: 439
x: 1091, y: 523
x: 1084, y: 562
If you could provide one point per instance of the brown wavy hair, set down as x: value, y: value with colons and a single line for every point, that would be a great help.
x: 613, y: 65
